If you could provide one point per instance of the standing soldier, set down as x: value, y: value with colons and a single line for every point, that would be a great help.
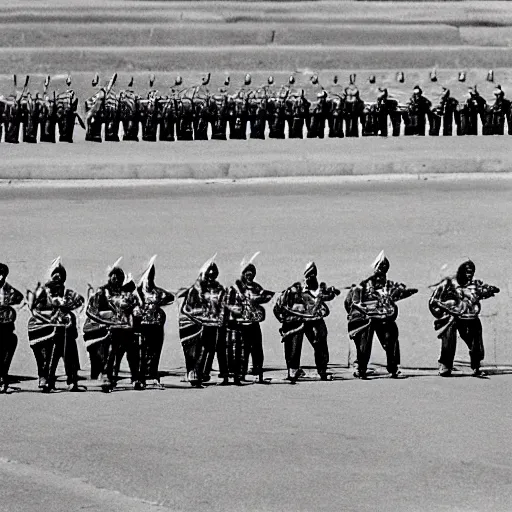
x: 297, y: 109
x: 386, y: 108
x: 149, y: 112
x: 500, y: 111
x: 48, y: 114
x: 276, y: 109
x: 238, y: 113
x: 446, y: 111
x: 243, y: 337
x: 109, y: 329
x: 336, y: 101
x: 151, y: 323
x: 318, y: 109
x: 418, y: 109
x: 371, y: 308
x: 218, y: 111
x: 474, y: 108
x: 201, y: 102
x: 94, y: 108
x: 353, y: 110
x: 129, y: 106
x: 52, y: 330
x: 66, y: 105
x: 301, y: 310
x: 455, y: 304
x: 13, y: 113
x: 9, y: 297
x: 201, y: 323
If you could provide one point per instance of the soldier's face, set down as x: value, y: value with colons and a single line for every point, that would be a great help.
x: 249, y: 275
x: 57, y: 278
x: 116, y: 280
x: 211, y: 274
x: 469, y: 273
x: 379, y: 280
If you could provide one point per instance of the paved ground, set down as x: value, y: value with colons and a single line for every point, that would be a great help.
x: 417, y: 444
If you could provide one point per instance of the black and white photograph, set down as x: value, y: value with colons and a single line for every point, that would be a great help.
x: 256, y: 255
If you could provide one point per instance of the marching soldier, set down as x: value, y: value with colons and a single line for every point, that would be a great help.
x: 52, y: 330
x: 384, y: 109
x: 301, y: 310
x: 276, y: 109
x: 9, y: 297
x: 371, y: 308
x: 500, y: 111
x: 297, y: 109
x: 455, y: 304
x: 353, y: 111
x: 109, y: 329
x: 151, y: 320
x: 66, y: 105
x: 418, y: 109
x: 48, y: 118
x: 201, y: 323
x: 129, y: 106
x: 243, y: 337
x: 336, y: 101
x: 201, y: 101
x: 94, y: 111
x: 238, y: 113
x: 13, y: 113
x: 219, y: 107
x: 318, y: 109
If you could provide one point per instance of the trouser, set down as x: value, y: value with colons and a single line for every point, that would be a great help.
x: 471, y: 333
x: 387, y: 332
x: 12, y: 132
x: 231, y: 352
x: 8, y: 344
x: 151, y: 343
x: 201, y: 128
x: 219, y: 127
x: 93, y: 132
x: 316, y: 126
x: 415, y: 125
x: 316, y: 333
x: 238, y: 128
x: 335, y: 122
x: 352, y: 126
x: 112, y: 131
x: 126, y: 342
x: 48, y: 353
x: 48, y: 129
x: 435, y: 124
x: 257, y: 125
x: 296, y: 128
x: 253, y: 342
x: 67, y: 127
x: 199, y: 345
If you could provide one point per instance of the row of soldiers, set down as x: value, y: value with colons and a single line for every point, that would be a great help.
x: 124, y: 318
x: 198, y: 112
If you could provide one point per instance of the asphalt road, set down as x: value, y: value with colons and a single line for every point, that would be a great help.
x: 417, y: 444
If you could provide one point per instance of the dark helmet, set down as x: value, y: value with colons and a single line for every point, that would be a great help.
x: 178, y: 80
x: 270, y: 80
x: 291, y: 79
x: 314, y: 79
x: 417, y: 90
x: 227, y: 80
x: 247, y: 79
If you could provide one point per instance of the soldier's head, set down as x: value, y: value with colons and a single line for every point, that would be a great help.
x: 383, y: 94
x: 310, y: 274
x: 57, y: 272
x: 417, y: 92
x: 270, y: 80
x: 498, y: 92
x: 211, y: 273
x: 380, y: 270
x: 4, y: 272
x: 465, y: 272
x: 116, y: 278
x: 445, y: 93
x: 178, y: 80
x: 314, y: 79
x: 291, y: 79
x: 249, y: 273
x: 473, y: 92
x: 247, y: 79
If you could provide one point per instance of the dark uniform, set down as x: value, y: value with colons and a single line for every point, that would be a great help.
x: 377, y: 115
x: 109, y: 330
x: 129, y: 107
x: 318, y: 109
x: 446, y: 112
x: 353, y: 111
x: 276, y: 110
x: 474, y: 107
x: 151, y: 321
x: 301, y: 310
x: 418, y: 109
x: 455, y: 303
x: 297, y: 109
x: 201, y: 323
x: 336, y: 110
x: 244, y: 337
x: 9, y: 297
x: 499, y: 111
x: 52, y: 330
x: 371, y: 308
x: 66, y: 105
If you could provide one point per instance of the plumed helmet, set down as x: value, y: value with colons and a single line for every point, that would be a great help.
x: 178, y: 80
x: 380, y: 264
x: 149, y: 273
x: 310, y: 270
x: 270, y: 80
x: 247, y: 79
x: 248, y: 264
x: 115, y: 269
x: 209, y: 264
x: 383, y: 93
x: 417, y: 90
x: 57, y: 268
x: 498, y: 91
x: 291, y: 79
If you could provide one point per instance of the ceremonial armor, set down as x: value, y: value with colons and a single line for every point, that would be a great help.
x: 48, y: 118
x: 418, y: 108
x: 12, y: 115
x: 470, y: 111
x: 149, y: 116
x: 130, y: 115
x: 30, y: 117
x: 94, y: 109
x: 353, y: 112
x: 257, y: 113
x: 218, y: 116
x: 446, y: 112
x: 66, y: 104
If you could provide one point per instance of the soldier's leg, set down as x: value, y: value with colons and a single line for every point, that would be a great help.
x: 361, y: 333
x: 132, y: 343
x: 8, y: 344
x: 42, y: 353
x: 255, y: 342
x: 237, y: 354
x: 153, y: 352
x: 316, y: 333
x: 292, y: 341
x: 448, y: 124
x: 382, y: 124
x: 210, y: 338
x: 70, y: 357
x: 223, y: 354
x: 471, y: 332
x: 448, y: 339
x: 435, y: 125
x: 387, y: 332
x: 396, y: 122
x: 56, y: 353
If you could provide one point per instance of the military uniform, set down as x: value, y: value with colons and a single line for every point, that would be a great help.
x: 371, y: 309
x: 201, y: 323
x: 52, y: 330
x: 9, y: 297
x: 109, y: 329
x: 473, y: 108
x: 353, y: 111
x: 151, y: 321
x: 447, y: 112
x: 418, y: 109
x: 301, y: 310
x: 455, y: 304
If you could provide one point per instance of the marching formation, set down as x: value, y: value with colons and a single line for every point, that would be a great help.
x: 199, y: 112
x: 127, y: 318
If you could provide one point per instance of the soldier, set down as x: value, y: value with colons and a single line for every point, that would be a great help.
x: 257, y: 112
x: 473, y: 108
x: 354, y: 111
x: 201, y: 115
x: 237, y: 110
x: 13, y: 113
x: 385, y: 108
x: 52, y: 330
x: 243, y: 337
x: 109, y: 329
x: 218, y: 111
x: 446, y: 111
x: 371, y: 308
x: 297, y: 109
x: 318, y: 109
x: 301, y: 310
x: 276, y: 109
x: 455, y: 304
x: 66, y: 105
x: 201, y: 323
x: 30, y: 114
x: 151, y: 320
x: 94, y: 110
x: 336, y: 102
x: 9, y: 297
x: 48, y: 119
x: 418, y: 109
x: 500, y: 111
x: 129, y: 106
x: 149, y: 112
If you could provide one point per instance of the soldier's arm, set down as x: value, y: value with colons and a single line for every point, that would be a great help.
x: 328, y: 293
x: 16, y: 297
x: 166, y: 298
x: 231, y: 302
